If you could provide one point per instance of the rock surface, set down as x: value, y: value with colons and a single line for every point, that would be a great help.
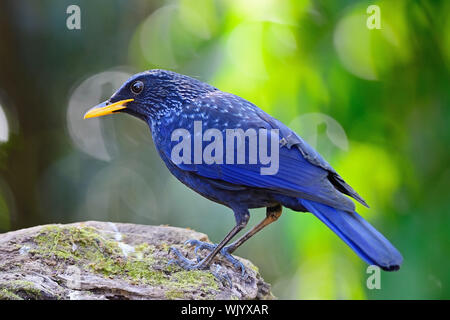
x: 104, y: 260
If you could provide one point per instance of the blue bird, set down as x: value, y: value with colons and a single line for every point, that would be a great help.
x: 178, y: 109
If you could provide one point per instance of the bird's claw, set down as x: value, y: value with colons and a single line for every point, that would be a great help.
x: 184, y: 262
x: 187, y: 264
x: 235, y: 262
x: 201, y: 245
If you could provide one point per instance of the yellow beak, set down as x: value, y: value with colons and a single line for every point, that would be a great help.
x: 104, y: 108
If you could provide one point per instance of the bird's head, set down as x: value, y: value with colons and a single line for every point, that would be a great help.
x: 147, y: 94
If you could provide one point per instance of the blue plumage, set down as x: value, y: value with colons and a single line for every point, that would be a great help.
x: 364, y: 239
x: 304, y: 180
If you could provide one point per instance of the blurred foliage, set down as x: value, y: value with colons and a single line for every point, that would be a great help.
x: 375, y: 103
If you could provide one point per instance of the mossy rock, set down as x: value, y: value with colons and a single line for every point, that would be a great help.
x: 103, y: 260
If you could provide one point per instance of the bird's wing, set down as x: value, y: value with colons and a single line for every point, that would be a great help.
x: 294, y: 140
x: 302, y: 172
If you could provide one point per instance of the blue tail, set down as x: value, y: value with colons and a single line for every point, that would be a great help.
x: 367, y: 242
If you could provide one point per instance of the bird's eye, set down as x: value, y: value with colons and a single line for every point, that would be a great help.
x: 137, y: 87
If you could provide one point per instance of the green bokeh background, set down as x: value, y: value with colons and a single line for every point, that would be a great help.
x: 374, y: 102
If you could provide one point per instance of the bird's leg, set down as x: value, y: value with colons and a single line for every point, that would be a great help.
x: 272, y: 215
x: 241, y: 221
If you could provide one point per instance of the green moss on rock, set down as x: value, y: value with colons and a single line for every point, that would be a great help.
x: 90, y: 250
x: 174, y: 294
x: 6, y: 294
x: 201, y: 279
x: 20, y: 290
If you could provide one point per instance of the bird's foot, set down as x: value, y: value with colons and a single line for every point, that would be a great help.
x: 189, y: 265
x: 184, y: 262
x: 201, y: 245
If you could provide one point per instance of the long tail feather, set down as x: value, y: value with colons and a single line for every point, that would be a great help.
x: 364, y: 239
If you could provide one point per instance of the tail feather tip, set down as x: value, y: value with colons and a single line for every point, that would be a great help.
x: 394, y: 267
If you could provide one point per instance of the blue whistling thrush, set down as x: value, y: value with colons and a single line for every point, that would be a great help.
x: 304, y: 181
